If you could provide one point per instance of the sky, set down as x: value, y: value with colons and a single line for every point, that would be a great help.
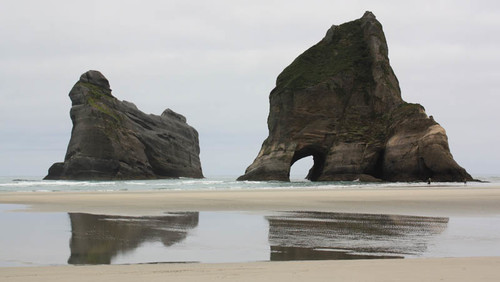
x: 216, y: 62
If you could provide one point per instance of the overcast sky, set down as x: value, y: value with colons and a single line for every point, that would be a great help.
x: 216, y: 62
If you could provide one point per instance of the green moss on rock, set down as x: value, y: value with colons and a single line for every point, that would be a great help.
x: 345, y: 52
x: 99, y: 98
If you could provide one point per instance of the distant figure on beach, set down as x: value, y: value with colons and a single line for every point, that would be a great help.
x: 429, y: 181
x: 465, y: 181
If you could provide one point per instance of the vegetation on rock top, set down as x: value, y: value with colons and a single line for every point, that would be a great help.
x: 347, y: 51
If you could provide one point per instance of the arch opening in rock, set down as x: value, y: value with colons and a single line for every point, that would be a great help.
x: 318, y: 156
x: 300, y: 169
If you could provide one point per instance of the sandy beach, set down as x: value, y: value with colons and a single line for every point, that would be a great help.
x: 451, y: 269
x: 425, y: 201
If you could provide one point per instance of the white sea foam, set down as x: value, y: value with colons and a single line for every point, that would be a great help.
x: 30, y: 184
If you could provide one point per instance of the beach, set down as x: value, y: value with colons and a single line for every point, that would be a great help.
x: 445, y: 201
x: 423, y: 201
x: 448, y: 269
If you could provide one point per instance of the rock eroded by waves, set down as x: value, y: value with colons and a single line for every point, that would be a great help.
x: 112, y: 139
x: 340, y: 102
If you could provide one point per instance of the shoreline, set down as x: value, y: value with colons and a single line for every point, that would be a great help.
x: 424, y: 201
x: 419, y: 201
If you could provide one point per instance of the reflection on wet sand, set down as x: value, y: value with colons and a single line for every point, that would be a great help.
x: 279, y: 253
x: 318, y: 235
x: 96, y: 239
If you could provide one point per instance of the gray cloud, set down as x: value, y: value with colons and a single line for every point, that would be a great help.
x: 216, y: 62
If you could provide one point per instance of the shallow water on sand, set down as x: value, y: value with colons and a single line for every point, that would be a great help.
x: 78, y: 238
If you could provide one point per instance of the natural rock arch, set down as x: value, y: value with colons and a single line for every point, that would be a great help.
x: 340, y: 102
x: 319, y: 156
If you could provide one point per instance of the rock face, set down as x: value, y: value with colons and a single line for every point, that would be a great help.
x: 340, y: 102
x: 112, y: 139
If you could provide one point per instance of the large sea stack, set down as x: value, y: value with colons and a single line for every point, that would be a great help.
x: 112, y: 139
x: 340, y: 102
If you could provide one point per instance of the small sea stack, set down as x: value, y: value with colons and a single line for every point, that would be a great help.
x: 113, y: 139
x: 340, y: 102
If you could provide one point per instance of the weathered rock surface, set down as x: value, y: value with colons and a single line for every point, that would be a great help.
x: 112, y: 139
x: 340, y: 102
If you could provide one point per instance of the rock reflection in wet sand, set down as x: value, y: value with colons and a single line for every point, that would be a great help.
x: 96, y: 239
x: 319, y: 235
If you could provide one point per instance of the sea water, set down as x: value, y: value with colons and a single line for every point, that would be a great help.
x: 36, y: 184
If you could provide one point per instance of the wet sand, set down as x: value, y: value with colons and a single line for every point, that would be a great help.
x: 424, y: 201
x: 447, y: 269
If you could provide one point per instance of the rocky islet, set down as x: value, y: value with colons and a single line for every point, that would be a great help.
x: 113, y: 139
x: 340, y: 102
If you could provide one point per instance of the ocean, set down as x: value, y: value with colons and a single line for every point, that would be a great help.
x: 37, y: 184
